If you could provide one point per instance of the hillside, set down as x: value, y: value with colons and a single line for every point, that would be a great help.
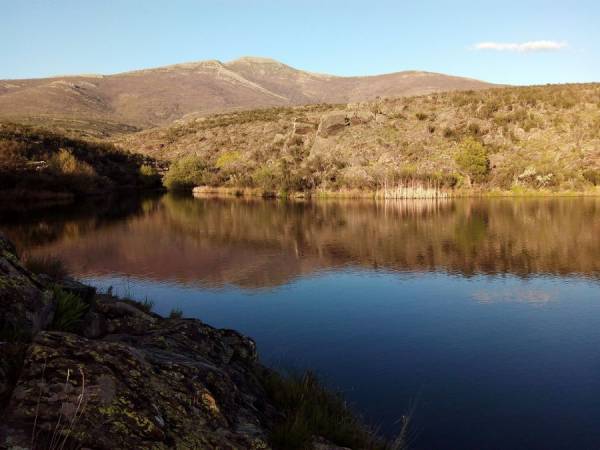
x: 44, y: 165
x: 102, y: 105
x: 545, y: 137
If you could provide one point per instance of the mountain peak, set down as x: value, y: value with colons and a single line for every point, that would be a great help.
x: 255, y: 60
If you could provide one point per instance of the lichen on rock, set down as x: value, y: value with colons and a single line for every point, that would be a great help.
x: 130, y: 379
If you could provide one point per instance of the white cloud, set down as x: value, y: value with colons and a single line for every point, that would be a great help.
x: 524, y: 47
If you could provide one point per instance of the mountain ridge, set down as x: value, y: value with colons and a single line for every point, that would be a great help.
x: 158, y: 96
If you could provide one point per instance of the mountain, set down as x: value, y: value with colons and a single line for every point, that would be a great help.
x: 151, y: 97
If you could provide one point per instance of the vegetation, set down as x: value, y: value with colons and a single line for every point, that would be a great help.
x: 186, y: 173
x: 146, y: 305
x: 70, y: 310
x: 40, y: 164
x: 530, y: 138
x: 312, y: 410
x: 473, y: 160
x: 176, y: 313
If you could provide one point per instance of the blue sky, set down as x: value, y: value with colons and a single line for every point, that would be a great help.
x: 521, y: 42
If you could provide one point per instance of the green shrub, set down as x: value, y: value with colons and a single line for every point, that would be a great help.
x: 64, y: 162
x: 310, y: 410
x: 228, y: 159
x: 70, y: 310
x: 472, y: 159
x: 421, y: 116
x: 266, y: 177
x: 149, y: 176
x: 186, y: 173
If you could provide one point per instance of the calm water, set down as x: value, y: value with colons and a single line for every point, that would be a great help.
x: 483, y: 316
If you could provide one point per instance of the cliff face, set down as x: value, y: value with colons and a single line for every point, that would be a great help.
x: 124, y: 378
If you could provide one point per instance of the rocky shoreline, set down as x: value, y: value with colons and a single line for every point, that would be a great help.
x: 127, y: 378
x: 121, y: 377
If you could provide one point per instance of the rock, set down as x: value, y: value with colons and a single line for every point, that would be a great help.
x: 278, y: 138
x: 180, y: 384
x: 24, y: 304
x: 380, y: 118
x: 303, y: 128
x: 132, y: 380
x: 333, y: 123
x: 320, y: 443
x: 362, y: 116
x: 75, y: 287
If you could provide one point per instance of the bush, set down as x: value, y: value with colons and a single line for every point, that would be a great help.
x: 187, y: 173
x: 64, y: 162
x: 311, y: 410
x: 266, y: 177
x: 70, y: 310
x: 12, y: 154
x: 149, y: 176
x: 473, y: 160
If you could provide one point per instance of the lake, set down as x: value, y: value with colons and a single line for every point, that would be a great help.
x: 479, y: 316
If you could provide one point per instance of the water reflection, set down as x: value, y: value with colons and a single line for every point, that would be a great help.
x: 487, y: 311
x: 255, y: 243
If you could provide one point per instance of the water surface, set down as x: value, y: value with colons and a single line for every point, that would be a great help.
x: 483, y: 316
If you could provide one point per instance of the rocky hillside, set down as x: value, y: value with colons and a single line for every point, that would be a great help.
x: 106, y: 104
x: 544, y: 137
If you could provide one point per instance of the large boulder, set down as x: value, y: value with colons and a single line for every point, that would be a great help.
x: 179, y: 384
x: 25, y: 306
x: 127, y: 379
x: 332, y: 124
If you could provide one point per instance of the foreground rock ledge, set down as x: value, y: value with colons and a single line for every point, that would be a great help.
x: 129, y: 380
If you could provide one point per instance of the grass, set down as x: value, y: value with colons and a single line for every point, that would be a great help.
x: 311, y: 410
x: 146, y: 305
x: 47, y: 265
x: 176, y: 313
x: 70, y: 310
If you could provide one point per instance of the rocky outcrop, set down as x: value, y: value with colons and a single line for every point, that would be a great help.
x: 332, y: 124
x: 130, y: 378
x: 23, y: 303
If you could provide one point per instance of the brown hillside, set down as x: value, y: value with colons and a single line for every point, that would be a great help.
x: 539, y: 137
x: 158, y: 96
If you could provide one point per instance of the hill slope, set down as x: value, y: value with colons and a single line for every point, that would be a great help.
x: 37, y: 164
x: 158, y: 96
x: 545, y: 137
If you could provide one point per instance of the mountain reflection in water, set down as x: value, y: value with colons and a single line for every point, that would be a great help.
x: 485, y: 312
x: 254, y: 243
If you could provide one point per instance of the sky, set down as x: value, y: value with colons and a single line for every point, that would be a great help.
x: 509, y: 41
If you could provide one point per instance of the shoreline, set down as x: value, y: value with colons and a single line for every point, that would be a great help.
x: 81, y: 369
x: 209, y: 191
